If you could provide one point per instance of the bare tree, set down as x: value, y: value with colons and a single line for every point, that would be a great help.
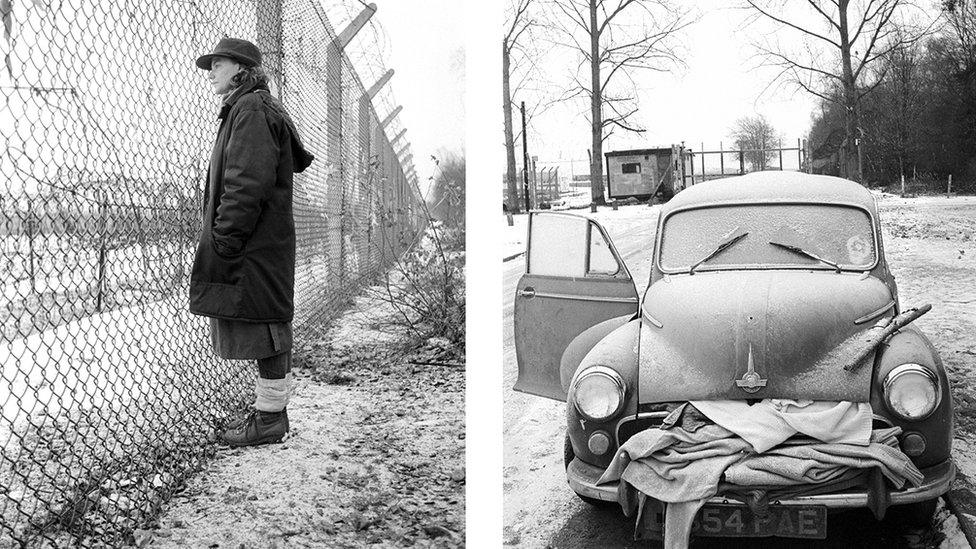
x: 755, y: 136
x: 899, y: 106
x: 839, y: 41
x: 961, y: 18
x: 517, y: 24
x: 614, y: 38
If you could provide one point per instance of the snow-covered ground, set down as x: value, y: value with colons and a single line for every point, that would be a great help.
x: 623, y: 219
x: 105, y: 358
x: 375, y: 456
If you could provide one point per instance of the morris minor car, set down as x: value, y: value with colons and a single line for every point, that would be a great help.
x: 771, y: 286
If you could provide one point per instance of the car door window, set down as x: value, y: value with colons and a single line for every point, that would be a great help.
x: 602, y: 261
x: 557, y: 245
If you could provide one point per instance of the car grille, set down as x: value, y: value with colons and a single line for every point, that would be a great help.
x: 631, y: 425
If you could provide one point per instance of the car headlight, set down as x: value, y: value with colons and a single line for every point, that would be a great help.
x: 911, y: 391
x: 598, y: 393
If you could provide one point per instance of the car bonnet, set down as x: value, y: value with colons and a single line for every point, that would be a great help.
x: 757, y: 334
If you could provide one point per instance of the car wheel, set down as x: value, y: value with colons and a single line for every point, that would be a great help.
x: 568, y: 456
x: 916, y: 515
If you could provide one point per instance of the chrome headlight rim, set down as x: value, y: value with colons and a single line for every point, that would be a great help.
x: 906, y: 369
x: 605, y: 372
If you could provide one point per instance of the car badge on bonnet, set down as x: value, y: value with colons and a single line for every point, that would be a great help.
x: 750, y: 382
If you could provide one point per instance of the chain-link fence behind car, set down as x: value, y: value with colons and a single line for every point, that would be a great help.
x: 110, y: 392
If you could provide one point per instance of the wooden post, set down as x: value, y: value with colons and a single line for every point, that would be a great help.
x: 903, y: 185
x: 799, y: 156
x: 781, y: 155
x: 742, y: 163
x: 949, y: 187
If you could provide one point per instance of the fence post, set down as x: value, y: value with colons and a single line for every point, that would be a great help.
x: 703, y: 160
x: 949, y: 187
x: 101, y: 251
x: 742, y: 163
x: 799, y: 156
x: 30, y: 244
x: 525, y: 161
x: 903, y: 185
x: 270, y: 41
x: 721, y: 158
x: 781, y: 155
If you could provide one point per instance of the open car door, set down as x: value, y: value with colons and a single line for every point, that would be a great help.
x: 573, y: 279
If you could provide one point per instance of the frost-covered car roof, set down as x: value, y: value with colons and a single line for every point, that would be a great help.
x: 773, y: 186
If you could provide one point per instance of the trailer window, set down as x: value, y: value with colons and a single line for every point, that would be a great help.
x: 631, y: 167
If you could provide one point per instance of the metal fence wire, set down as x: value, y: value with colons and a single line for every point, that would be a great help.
x: 110, y: 390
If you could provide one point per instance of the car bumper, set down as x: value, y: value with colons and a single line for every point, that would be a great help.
x: 582, y: 479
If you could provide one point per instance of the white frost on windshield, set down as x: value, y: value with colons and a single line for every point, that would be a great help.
x: 837, y: 233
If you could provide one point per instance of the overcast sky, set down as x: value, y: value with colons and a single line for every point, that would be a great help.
x: 699, y: 102
x: 426, y: 51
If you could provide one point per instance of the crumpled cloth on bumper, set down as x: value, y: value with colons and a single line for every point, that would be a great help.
x: 684, y: 468
x: 770, y: 422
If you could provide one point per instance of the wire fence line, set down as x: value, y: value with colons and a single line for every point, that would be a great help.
x: 110, y: 392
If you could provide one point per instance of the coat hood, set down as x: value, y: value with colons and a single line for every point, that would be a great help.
x: 302, y: 158
x: 757, y: 334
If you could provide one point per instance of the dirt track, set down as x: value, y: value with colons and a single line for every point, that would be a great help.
x: 931, y: 247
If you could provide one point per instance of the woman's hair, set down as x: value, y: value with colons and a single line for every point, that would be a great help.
x: 250, y: 76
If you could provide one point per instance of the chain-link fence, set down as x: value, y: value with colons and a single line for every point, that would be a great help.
x: 110, y: 392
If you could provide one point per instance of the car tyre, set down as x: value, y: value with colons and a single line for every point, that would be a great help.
x: 568, y: 456
x: 914, y: 515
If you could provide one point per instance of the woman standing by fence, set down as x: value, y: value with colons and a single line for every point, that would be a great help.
x: 244, y: 271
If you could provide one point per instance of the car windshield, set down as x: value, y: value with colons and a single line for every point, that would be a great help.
x: 833, y: 233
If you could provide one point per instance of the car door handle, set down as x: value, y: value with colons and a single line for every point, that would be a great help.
x: 527, y: 292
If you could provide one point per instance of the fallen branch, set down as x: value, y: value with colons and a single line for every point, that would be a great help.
x: 877, y: 334
x: 430, y: 363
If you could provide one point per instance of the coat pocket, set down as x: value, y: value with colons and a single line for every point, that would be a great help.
x: 216, y: 300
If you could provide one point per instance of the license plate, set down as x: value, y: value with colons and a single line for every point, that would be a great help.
x: 788, y: 521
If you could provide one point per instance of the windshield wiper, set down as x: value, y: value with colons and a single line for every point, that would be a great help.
x: 801, y: 251
x: 721, y: 248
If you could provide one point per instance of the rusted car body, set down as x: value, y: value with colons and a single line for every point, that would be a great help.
x: 756, y: 320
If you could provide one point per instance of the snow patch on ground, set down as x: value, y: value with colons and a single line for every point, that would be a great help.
x: 377, y: 460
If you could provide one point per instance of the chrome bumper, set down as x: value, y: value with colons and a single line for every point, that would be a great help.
x: 582, y: 479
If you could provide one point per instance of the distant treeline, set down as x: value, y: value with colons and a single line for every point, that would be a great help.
x: 920, y: 119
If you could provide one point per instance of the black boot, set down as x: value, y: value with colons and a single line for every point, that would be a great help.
x: 257, y: 428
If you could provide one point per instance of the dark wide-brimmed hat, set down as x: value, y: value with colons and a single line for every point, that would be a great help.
x: 239, y: 50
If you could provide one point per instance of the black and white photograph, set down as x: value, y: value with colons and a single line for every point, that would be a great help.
x: 233, y: 274
x: 738, y: 277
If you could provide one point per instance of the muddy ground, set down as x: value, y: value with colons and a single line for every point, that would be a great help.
x: 375, y: 456
x: 931, y: 248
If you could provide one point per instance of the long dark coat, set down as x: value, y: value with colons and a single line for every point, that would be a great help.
x: 244, y: 267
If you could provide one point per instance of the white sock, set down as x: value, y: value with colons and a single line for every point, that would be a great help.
x: 272, y: 394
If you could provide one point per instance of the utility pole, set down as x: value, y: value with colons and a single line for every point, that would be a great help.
x: 525, y: 161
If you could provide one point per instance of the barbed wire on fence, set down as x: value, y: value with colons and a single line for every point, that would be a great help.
x: 111, y: 396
